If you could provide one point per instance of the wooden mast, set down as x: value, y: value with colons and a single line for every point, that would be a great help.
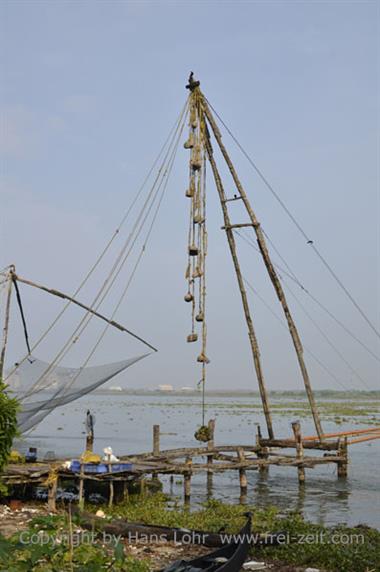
x: 6, y: 323
x: 243, y: 293
x: 265, y: 254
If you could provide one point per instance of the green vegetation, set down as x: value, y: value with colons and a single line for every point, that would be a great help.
x: 53, y: 544
x: 8, y: 426
x: 338, y: 549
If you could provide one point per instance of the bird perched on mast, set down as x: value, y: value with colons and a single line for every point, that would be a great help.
x: 192, y: 82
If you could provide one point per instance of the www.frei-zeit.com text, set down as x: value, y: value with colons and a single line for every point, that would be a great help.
x: 87, y: 537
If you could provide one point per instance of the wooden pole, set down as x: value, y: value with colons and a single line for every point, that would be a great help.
x: 111, y: 486
x: 269, y: 266
x: 242, y: 476
x: 262, y: 452
x: 344, y: 433
x: 363, y: 439
x: 87, y: 308
x: 52, y: 492
x: 243, y: 293
x: 90, y: 431
x: 81, y: 487
x: 297, y: 435
x: 6, y: 325
x: 343, y: 458
x: 210, y: 446
x: 187, y: 481
x: 156, y: 440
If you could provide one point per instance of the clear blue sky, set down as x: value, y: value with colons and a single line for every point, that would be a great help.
x: 89, y: 90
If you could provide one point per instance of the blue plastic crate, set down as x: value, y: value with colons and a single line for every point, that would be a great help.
x: 100, y: 467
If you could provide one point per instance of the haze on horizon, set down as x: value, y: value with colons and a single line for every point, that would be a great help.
x: 89, y: 93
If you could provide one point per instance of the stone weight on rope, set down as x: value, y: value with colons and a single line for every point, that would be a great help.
x: 197, y: 272
x: 198, y: 218
x: 192, y: 338
x: 193, y: 118
x: 188, y: 297
x: 199, y: 317
x: 202, y: 358
x: 196, y: 163
x: 191, y: 190
x: 189, y: 144
x: 193, y: 250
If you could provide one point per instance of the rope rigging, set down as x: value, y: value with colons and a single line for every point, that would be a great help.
x: 298, y: 225
x: 121, y: 259
x: 292, y: 276
x: 283, y: 324
x: 111, y: 240
x: 312, y: 320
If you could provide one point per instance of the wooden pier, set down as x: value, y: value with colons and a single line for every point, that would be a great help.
x: 210, y: 459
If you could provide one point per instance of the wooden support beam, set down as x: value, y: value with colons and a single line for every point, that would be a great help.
x: 84, y: 306
x: 232, y: 199
x: 243, y: 293
x: 156, y: 440
x: 6, y: 325
x: 81, y: 487
x: 343, y: 458
x: 298, y: 438
x: 239, y: 225
x: 52, y: 491
x: 210, y: 447
x: 111, y: 488
x: 267, y: 261
x: 291, y: 444
x: 262, y: 453
x: 242, y: 477
x: 344, y: 433
x: 187, y: 481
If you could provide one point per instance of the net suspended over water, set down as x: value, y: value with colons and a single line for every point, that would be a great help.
x: 41, y: 388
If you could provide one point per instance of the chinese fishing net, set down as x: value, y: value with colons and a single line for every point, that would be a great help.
x: 40, y: 393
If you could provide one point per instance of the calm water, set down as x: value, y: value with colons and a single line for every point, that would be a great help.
x: 125, y: 423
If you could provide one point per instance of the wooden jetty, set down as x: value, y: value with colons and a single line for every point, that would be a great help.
x: 188, y: 461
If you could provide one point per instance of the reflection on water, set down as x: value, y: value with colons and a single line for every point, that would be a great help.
x: 125, y: 422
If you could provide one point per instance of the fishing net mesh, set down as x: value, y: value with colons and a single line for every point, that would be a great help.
x: 41, y: 388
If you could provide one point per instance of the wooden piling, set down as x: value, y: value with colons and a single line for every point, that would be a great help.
x: 299, y: 448
x: 262, y: 452
x: 81, y: 487
x: 6, y: 326
x: 111, y: 487
x: 52, y: 491
x: 210, y: 446
x: 343, y: 458
x: 156, y: 440
x: 242, y: 476
x: 187, y: 481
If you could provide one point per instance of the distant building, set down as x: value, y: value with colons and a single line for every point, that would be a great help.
x: 187, y: 389
x: 116, y: 388
x: 165, y: 387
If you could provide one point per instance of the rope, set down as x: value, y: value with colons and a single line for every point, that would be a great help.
x: 283, y: 324
x: 298, y: 225
x: 296, y: 280
x: 143, y: 249
x: 116, y: 268
x: 324, y: 335
x: 108, y: 245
